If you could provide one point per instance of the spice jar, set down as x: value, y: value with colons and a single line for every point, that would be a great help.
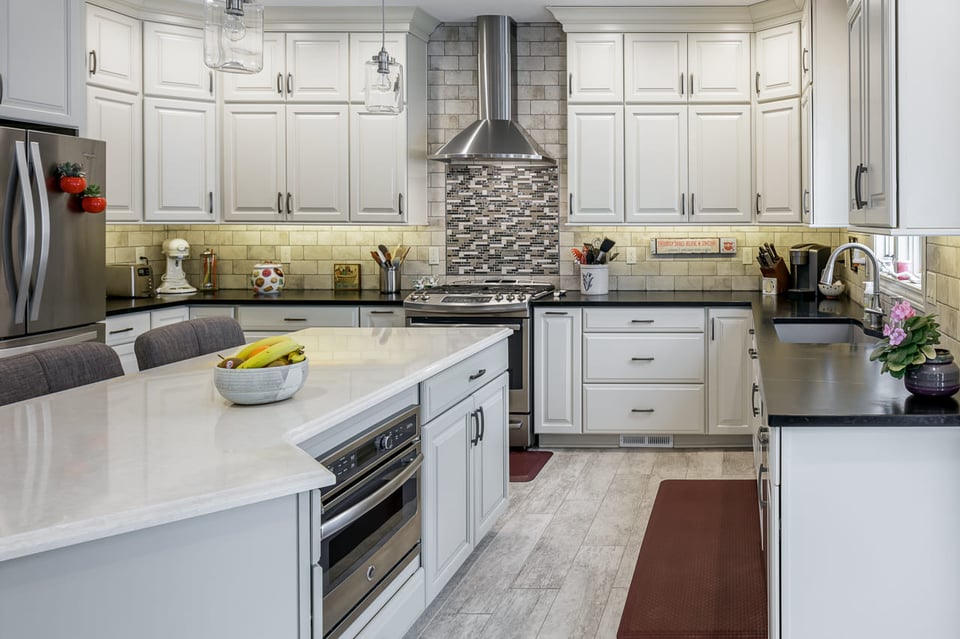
x: 208, y: 269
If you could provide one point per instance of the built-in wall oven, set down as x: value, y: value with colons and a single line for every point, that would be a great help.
x: 370, y: 519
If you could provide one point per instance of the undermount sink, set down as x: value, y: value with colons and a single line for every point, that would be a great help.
x: 812, y: 332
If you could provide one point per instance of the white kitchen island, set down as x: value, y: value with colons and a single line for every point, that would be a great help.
x: 149, y: 506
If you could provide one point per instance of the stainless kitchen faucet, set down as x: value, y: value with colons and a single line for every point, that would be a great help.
x: 872, y: 310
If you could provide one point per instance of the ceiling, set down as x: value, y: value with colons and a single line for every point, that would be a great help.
x: 519, y: 10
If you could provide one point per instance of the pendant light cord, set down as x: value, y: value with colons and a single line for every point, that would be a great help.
x: 383, y: 24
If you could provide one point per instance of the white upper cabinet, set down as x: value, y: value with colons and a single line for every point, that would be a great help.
x: 778, y: 63
x: 117, y: 118
x: 655, y: 67
x: 595, y: 173
x: 806, y: 156
x: 655, y: 160
x: 298, y: 67
x: 719, y: 67
x: 179, y: 163
x: 41, y: 61
x: 720, y: 167
x: 594, y: 67
x: 318, y: 163
x: 254, y: 162
x: 113, y: 50
x: 806, y: 45
x: 363, y: 47
x: 778, y: 162
x: 173, y: 63
x: 378, y: 162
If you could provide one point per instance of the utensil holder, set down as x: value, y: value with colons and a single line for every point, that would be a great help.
x: 781, y: 273
x: 389, y: 279
x: 594, y: 279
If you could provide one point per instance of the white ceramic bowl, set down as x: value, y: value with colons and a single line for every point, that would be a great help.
x: 260, y: 385
x: 831, y: 291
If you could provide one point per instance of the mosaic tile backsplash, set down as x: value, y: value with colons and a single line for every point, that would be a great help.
x: 502, y: 220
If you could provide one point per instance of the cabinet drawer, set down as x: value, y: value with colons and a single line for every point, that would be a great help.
x: 294, y: 318
x: 168, y: 316
x: 445, y: 389
x: 643, y: 408
x: 644, y: 358
x: 211, y: 311
x: 643, y: 320
x: 123, y: 329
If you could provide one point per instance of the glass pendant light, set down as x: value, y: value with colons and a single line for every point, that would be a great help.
x: 233, y: 35
x: 384, y: 77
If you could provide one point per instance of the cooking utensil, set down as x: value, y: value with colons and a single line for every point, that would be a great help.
x: 402, y: 255
x: 385, y: 253
x: 376, y: 258
x: 773, y: 251
x: 604, y: 247
x: 577, y: 255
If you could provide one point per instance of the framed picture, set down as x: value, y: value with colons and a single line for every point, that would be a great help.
x: 346, y: 277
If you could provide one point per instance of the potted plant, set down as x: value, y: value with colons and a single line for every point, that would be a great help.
x: 908, y: 351
x: 73, y: 180
x: 92, y: 201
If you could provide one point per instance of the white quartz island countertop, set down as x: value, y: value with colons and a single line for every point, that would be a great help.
x: 163, y: 445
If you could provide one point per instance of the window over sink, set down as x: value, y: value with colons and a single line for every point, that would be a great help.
x: 901, y: 265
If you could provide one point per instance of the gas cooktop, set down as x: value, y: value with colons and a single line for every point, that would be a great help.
x: 487, y: 296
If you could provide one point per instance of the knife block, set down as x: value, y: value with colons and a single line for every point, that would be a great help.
x: 781, y: 273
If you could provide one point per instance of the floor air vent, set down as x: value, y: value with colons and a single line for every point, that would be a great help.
x: 646, y: 441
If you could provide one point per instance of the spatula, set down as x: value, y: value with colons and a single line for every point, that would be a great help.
x: 605, y: 247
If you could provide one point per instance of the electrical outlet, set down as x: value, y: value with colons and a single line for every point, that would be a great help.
x: 434, y: 255
x: 631, y: 255
x: 745, y: 256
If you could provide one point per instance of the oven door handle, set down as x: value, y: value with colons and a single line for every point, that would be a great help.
x: 512, y: 327
x: 359, y: 509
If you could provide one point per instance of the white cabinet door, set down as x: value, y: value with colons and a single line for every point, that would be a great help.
x: 730, y: 372
x: 879, y: 152
x: 113, y: 50
x: 778, y: 161
x: 363, y: 47
x: 491, y: 468
x: 117, y: 118
x: 806, y: 45
x: 318, y: 163
x: 41, y: 61
x: 447, y: 498
x: 180, y: 158
x: 557, y: 371
x: 719, y: 67
x: 254, y: 162
x: 595, y: 148
x: 267, y: 85
x: 720, y: 167
x: 378, y: 166
x: 806, y: 156
x: 317, y: 67
x: 655, y: 160
x: 594, y: 67
x: 778, y: 63
x: 655, y: 67
x: 382, y: 317
x: 173, y: 63
x: 855, y: 40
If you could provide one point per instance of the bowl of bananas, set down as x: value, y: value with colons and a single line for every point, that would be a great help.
x: 268, y: 370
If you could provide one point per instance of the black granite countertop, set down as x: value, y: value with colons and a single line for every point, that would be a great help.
x: 804, y: 384
x: 119, y: 306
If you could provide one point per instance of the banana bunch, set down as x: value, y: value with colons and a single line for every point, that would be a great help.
x: 279, y: 350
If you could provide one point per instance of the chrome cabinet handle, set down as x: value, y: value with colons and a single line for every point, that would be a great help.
x: 642, y: 410
x: 753, y: 399
x: 279, y: 203
x: 753, y: 353
x: 758, y: 204
x: 806, y: 201
x: 289, y: 205
x: 93, y: 61
x: 803, y: 60
x: 756, y: 83
x: 642, y: 359
x: 681, y: 84
x: 480, y: 373
x: 289, y: 84
x: 280, y: 83
x: 763, y: 436
x: 760, y: 471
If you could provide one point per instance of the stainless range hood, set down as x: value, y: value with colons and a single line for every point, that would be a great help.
x: 495, y: 137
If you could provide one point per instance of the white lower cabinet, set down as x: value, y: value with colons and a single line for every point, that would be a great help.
x: 731, y: 371
x: 465, y: 479
x: 122, y: 331
x: 557, y: 371
x: 382, y: 316
x: 258, y: 321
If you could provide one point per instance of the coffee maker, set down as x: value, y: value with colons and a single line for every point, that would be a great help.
x: 806, y: 265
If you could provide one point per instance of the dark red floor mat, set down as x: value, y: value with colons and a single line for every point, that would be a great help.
x: 525, y: 464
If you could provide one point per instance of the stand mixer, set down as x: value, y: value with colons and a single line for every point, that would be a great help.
x: 174, y: 280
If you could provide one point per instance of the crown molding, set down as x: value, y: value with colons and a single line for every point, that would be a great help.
x: 683, y: 19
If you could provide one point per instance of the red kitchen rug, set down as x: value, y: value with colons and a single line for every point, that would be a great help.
x: 525, y: 464
x: 700, y: 573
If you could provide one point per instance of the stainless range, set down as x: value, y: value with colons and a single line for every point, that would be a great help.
x: 502, y: 303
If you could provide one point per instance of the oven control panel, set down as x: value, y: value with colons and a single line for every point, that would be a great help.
x: 380, y: 442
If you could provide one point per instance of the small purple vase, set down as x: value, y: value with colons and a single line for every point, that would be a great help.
x: 937, y: 377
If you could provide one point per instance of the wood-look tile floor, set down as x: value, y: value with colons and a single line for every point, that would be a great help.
x: 558, y: 563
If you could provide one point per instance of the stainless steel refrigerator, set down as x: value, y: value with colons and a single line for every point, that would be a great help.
x: 52, y: 266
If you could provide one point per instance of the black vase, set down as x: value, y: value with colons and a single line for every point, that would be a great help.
x: 937, y: 377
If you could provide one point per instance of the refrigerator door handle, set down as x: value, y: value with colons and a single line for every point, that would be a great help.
x: 30, y: 232
x: 44, y: 230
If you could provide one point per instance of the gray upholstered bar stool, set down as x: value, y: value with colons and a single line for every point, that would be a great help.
x: 184, y: 340
x: 55, y: 369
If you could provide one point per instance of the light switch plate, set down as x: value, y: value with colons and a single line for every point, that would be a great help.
x: 434, y: 255
x: 631, y: 255
x: 745, y: 256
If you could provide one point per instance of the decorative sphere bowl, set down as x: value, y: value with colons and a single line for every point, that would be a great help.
x: 260, y: 385
x: 831, y: 291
